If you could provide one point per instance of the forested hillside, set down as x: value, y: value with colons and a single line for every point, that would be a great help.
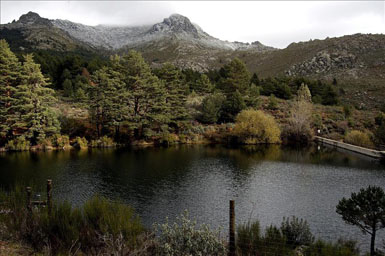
x: 91, y: 101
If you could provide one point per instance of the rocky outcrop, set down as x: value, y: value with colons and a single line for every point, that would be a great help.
x: 325, y: 63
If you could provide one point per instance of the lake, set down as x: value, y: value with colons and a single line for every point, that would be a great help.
x: 267, y: 183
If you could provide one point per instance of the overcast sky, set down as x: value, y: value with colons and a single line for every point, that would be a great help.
x: 273, y: 23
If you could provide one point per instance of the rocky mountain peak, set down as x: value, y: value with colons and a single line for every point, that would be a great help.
x: 32, y: 18
x: 176, y: 23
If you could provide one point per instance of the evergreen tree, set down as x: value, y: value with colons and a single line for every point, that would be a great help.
x: 233, y: 104
x: 109, y: 101
x: 235, y: 76
x: 303, y: 93
x: 176, y: 92
x: 68, y: 88
x: 252, y: 99
x: 203, y: 85
x: 330, y: 96
x: 10, y: 69
x: 211, y: 108
x: 255, y: 79
x: 147, y: 98
x: 33, y: 99
x: 366, y: 210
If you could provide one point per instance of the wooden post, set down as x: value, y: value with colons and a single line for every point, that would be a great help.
x: 29, y: 194
x: 49, y: 196
x: 232, y: 230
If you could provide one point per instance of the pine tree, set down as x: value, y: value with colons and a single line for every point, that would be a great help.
x: 68, y: 88
x: 211, y: 108
x: 233, y: 104
x: 252, y: 99
x: 10, y: 68
x: 33, y: 99
x: 147, y: 98
x: 176, y: 92
x: 108, y: 101
x: 255, y: 79
x: 203, y: 85
x: 235, y: 77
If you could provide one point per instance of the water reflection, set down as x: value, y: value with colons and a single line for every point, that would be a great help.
x: 267, y: 182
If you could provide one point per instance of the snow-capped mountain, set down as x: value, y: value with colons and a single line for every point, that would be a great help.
x: 175, y: 27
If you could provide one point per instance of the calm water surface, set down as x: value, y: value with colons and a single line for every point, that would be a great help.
x: 267, y: 183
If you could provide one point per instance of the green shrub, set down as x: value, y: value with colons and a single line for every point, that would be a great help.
x: 348, y: 110
x: 99, y: 225
x: 103, y: 142
x: 359, y: 138
x: 185, y: 238
x: 45, y: 143
x: 18, y: 144
x: 102, y: 217
x: 380, y: 119
x: 380, y: 133
x: 297, y: 231
x: 249, y: 239
x: 169, y: 139
x: 60, y: 141
x: 341, y: 248
x: 275, y: 241
x: 254, y: 127
x: 61, y: 228
x: 81, y: 143
x: 273, y: 103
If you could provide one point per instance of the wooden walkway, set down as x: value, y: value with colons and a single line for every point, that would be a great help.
x: 365, y: 151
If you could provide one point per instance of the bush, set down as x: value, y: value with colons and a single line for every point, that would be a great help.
x: 184, y: 238
x: 103, y: 142
x: 100, y: 226
x: 297, y: 231
x: 18, y: 144
x: 380, y: 133
x: 358, y: 138
x: 276, y: 241
x: 81, y: 143
x: 248, y: 238
x: 341, y: 248
x: 112, y: 219
x: 348, y: 110
x: 250, y: 241
x: 45, y: 144
x: 298, y: 130
x: 60, y: 141
x: 255, y: 127
x: 273, y: 103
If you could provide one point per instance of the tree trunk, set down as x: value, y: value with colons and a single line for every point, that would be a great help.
x: 372, y: 242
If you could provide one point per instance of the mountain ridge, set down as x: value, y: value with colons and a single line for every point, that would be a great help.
x: 356, y: 61
x: 112, y: 37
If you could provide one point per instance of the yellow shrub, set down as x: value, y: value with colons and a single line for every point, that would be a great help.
x: 255, y: 127
x: 358, y: 138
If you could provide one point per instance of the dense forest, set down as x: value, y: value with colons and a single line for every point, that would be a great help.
x: 125, y: 101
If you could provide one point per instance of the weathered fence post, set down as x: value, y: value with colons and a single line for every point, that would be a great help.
x: 29, y: 194
x: 232, y: 230
x: 49, y: 196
